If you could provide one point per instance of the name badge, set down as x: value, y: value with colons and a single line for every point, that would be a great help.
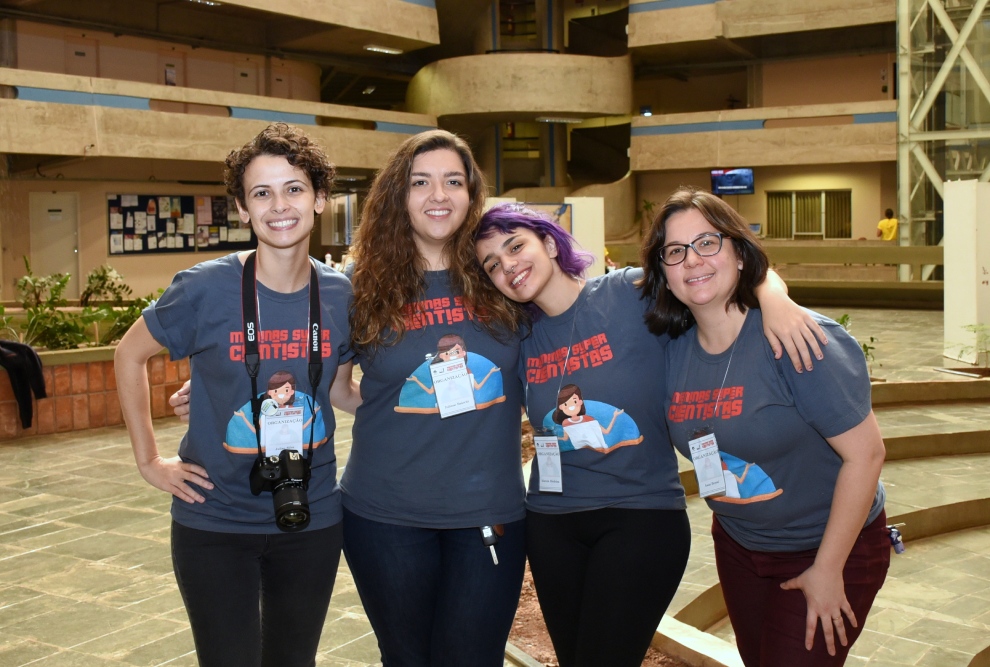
x: 707, y: 465
x: 548, y: 457
x: 281, y: 428
x: 452, y: 387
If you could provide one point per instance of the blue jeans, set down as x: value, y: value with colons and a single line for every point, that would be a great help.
x: 256, y: 600
x: 434, y: 597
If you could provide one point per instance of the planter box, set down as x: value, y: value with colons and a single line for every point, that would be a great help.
x: 82, y: 392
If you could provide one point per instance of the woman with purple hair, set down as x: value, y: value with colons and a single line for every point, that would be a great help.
x: 606, y: 527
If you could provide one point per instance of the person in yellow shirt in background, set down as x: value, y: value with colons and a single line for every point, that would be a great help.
x: 887, y: 228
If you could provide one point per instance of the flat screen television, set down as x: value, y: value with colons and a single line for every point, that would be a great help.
x: 732, y: 181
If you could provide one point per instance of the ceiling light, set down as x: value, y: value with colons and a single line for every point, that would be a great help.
x: 558, y: 119
x: 351, y: 178
x: 382, y: 49
x: 368, y: 91
x: 646, y: 110
x: 211, y: 3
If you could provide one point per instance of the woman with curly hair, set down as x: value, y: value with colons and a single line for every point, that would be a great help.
x: 434, y: 473
x: 256, y: 579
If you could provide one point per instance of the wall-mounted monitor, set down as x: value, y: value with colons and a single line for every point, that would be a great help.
x: 732, y: 181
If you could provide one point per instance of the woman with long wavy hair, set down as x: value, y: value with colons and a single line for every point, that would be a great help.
x: 433, y: 490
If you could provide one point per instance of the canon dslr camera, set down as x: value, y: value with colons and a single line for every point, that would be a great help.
x: 287, y: 477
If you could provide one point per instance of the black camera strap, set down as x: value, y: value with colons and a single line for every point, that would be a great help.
x: 252, y: 330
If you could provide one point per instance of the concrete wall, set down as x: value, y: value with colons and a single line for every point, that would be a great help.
x: 143, y: 273
x: 820, y: 134
x: 828, y: 80
x: 735, y: 19
x: 410, y: 20
x: 501, y: 84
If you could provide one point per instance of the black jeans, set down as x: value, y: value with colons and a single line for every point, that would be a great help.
x: 604, y: 579
x: 256, y: 600
x: 434, y: 596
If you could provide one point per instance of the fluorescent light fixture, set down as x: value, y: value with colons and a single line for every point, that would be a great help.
x: 382, y: 49
x: 368, y: 91
x: 558, y: 119
x: 351, y: 178
x: 210, y: 3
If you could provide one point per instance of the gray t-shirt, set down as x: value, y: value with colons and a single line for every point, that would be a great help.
x: 410, y: 467
x: 199, y: 316
x: 612, y: 436
x: 771, y: 424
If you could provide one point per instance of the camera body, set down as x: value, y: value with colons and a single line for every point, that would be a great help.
x: 287, y: 477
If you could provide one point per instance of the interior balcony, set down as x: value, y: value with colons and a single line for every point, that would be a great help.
x: 523, y: 86
x: 720, y: 29
x: 792, y: 135
x: 64, y: 115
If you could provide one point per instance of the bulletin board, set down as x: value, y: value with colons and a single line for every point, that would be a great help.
x: 147, y: 224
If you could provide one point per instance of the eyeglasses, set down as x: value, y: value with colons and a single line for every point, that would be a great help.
x: 705, y: 245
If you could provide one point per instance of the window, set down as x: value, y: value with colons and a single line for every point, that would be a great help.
x: 809, y: 214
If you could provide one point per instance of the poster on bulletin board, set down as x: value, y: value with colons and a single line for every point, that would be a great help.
x: 143, y: 224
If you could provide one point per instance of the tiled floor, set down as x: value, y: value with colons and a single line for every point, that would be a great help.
x: 86, y: 579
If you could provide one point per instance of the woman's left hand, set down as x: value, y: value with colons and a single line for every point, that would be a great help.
x: 826, y: 597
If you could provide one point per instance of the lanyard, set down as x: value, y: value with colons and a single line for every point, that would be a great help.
x: 252, y: 358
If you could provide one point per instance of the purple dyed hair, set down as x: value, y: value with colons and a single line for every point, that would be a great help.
x: 504, y: 218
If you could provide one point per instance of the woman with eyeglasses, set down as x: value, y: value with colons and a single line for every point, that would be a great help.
x: 789, y: 463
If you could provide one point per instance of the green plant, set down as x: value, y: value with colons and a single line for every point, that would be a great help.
x: 46, y: 325
x: 7, y: 332
x: 981, y: 344
x: 104, y: 284
x: 121, y: 319
x: 846, y: 322
x: 645, y: 214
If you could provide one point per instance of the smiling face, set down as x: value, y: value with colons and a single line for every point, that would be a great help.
x: 280, y: 202
x: 700, y: 282
x: 572, y: 406
x: 282, y: 395
x: 438, y: 199
x: 519, y: 263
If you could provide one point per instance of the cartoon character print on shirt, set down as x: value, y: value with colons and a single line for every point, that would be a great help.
x: 281, y: 393
x: 578, y: 423
x: 418, y: 395
x: 745, y: 482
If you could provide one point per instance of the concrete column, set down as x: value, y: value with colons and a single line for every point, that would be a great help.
x: 967, y: 268
x: 553, y: 151
x: 8, y: 43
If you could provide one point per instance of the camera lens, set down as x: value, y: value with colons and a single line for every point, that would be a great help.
x: 291, y: 507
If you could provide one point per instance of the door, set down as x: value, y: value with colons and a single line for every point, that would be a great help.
x: 246, y: 78
x: 80, y: 57
x: 55, y: 236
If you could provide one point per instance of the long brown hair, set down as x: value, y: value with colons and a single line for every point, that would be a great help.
x: 388, y: 269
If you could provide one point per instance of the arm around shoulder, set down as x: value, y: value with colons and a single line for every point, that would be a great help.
x: 787, y: 326
x: 345, y: 391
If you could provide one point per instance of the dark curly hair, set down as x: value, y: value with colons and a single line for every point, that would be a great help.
x: 668, y: 315
x: 388, y: 270
x: 282, y: 140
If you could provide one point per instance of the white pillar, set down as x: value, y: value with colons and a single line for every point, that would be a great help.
x: 588, y: 220
x: 967, y: 267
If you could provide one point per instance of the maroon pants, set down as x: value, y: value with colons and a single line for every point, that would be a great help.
x: 769, y: 622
